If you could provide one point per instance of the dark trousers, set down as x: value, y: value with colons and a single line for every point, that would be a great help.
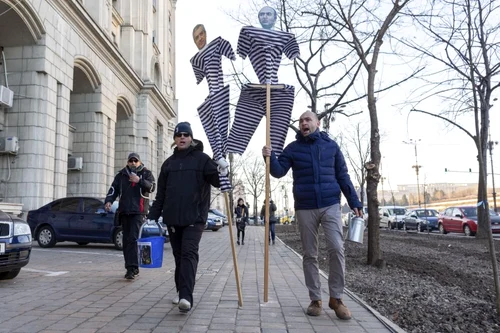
x: 242, y: 232
x: 185, y: 243
x: 272, y: 233
x: 130, y: 226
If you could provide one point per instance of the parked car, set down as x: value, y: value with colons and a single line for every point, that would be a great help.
x: 214, y: 222
x: 286, y: 220
x: 220, y: 214
x: 463, y: 219
x: 392, y: 216
x: 79, y: 219
x: 365, y: 215
x: 15, y: 245
x: 421, y: 219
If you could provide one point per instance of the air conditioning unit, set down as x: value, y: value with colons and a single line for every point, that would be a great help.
x: 6, y: 97
x: 9, y: 145
x: 75, y: 163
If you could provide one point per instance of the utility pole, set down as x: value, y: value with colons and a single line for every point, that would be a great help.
x: 490, y: 146
x: 416, y: 167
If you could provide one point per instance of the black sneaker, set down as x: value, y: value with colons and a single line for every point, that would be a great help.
x: 129, y: 275
x: 238, y: 242
x: 136, y: 271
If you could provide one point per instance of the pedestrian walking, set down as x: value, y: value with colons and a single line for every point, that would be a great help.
x: 319, y: 177
x: 132, y: 185
x: 183, y: 199
x: 272, y: 219
x: 241, y: 212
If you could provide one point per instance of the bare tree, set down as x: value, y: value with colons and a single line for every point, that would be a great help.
x: 466, y: 46
x: 253, y: 176
x: 327, y: 68
x: 356, y: 147
x: 471, y: 64
x: 366, y: 35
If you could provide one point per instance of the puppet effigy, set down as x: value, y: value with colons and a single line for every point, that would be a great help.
x: 214, y: 111
x: 264, y: 47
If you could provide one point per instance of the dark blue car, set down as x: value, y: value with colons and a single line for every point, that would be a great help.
x: 15, y: 245
x: 421, y: 219
x: 79, y: 219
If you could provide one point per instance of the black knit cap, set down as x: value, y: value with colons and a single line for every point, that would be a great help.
x: 133, y: 155
x: 183, y: 127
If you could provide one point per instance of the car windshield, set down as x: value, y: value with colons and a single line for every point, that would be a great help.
x: 397, y: 211
x: 429, y: 213
x: 217, y: 212
x: 470, y: 211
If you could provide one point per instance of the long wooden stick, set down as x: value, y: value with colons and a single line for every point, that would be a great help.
x: 267, y: 195
x: 233, y: 249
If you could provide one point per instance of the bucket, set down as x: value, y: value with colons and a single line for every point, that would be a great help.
x: 356, y: 230
x: 150, y: 249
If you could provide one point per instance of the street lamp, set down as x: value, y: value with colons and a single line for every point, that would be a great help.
x: 416, y: 166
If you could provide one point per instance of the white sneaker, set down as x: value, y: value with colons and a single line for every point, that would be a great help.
x: 184, y: 305
x: 175, y: 300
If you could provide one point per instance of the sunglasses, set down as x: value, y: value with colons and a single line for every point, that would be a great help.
x: 178, y: 135
x: 133, y: 160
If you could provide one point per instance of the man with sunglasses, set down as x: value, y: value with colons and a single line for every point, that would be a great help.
x: 183, y: 199
x: 132, y: 184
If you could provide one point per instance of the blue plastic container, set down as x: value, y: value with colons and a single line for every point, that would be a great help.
x: 150, y: 250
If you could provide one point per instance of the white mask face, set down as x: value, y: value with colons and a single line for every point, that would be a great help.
x: 267, y: 17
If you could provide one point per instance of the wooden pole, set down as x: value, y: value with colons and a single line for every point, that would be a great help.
x: 233, y: 249
x: 267, y: 194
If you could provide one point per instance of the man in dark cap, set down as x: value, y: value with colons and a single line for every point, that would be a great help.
x: 132, y: 184
x: 183, y: 199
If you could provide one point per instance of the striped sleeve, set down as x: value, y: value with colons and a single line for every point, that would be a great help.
x: 291, y: 49
x: 244, y: 44
x: 227, y: 49
x: 199, y: 73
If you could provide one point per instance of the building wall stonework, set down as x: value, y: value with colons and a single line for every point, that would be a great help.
x: 80, y: 93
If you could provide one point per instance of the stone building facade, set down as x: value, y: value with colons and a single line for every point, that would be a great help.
x: 93, y: 80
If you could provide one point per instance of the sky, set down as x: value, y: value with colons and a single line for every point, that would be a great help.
x: 439, y: 145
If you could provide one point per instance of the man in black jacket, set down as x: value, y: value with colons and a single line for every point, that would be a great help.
x: 183, y: 199
x: 133, y: 185
x: 272, y: 219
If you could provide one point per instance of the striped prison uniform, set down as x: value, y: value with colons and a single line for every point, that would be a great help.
x: 214, y: 111
x: 264, y: 48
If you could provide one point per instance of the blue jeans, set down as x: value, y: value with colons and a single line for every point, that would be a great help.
x: 272, y: 233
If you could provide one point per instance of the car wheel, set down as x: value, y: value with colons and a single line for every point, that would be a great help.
x: 118, y: 239
x: 46, y: 237
x: 442, y: 230
x: 467, y: 231
x: 82, y: 243
x: 9, y: 275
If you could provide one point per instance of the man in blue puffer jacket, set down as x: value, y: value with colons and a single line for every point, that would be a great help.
x: 319, y: 177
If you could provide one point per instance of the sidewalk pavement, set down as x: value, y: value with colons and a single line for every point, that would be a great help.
x: 81, y: 289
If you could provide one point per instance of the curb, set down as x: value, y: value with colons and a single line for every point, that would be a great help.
x: 385, y: 321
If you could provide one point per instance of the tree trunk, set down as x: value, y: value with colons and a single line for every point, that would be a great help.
x: 373, y: 175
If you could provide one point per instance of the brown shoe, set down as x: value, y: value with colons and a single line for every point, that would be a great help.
x: 340, y: 309
x: 314, y: 309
